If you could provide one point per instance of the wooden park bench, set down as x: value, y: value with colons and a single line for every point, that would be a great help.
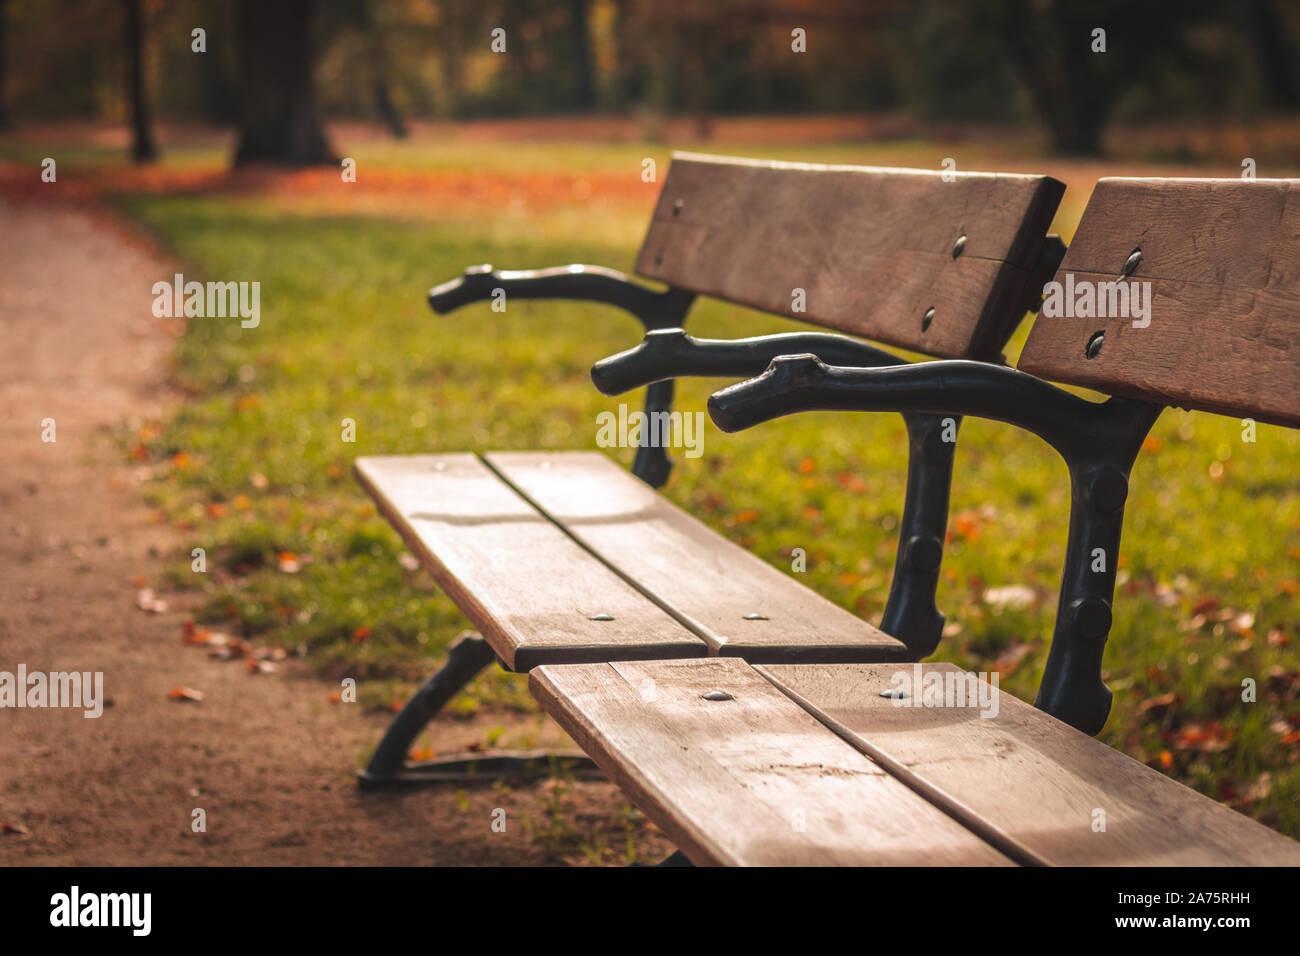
x: 751, y: 720
x: 795, y: 763
x: 566, y: 558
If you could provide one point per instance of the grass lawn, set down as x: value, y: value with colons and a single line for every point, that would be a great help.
x: 255, y: 470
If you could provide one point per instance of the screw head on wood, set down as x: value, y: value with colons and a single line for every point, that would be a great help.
x: 717, y: 695
x: 601, y: 617
x: 959, y: 246
x: 927, y: 319
x: 1094, y: 344
x: 1131, y: 263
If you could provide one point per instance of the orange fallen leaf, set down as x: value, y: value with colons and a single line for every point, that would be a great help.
x: 186, y: 693
x: 288, y: 562
x: 425, y: 754
x: 746, y: 516
x: 216, y: 510
x: 361, y: 633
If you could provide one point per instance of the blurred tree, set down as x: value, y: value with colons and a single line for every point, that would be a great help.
x: 1275, y: 56
x: 4, y: 21
x: 279, y: 121
x: 1074, y: 87
x: 143, y: 149
x: 584, y: 81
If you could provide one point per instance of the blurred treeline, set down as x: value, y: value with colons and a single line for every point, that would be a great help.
x: 396, y: 60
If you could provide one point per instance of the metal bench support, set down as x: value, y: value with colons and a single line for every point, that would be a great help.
x: 390, y: 765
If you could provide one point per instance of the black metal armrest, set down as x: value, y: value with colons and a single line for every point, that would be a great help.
x: 911, y: 614
x: 671, y: 353
x: 655, y: 310
x: 1099, y: 442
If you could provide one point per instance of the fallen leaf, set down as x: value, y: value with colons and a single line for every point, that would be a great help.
x: 361, y: 633
x: 1163, y: 702
x: 186, y: 693
x: 146, y: 601
x: 16, y: 829
x: 1010, y: 596
x: 425, y: 754
x: 288, y: 562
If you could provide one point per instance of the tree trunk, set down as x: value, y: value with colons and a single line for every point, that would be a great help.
x: 279, y: 123
x: 584, y: 84
x: 143, y: 149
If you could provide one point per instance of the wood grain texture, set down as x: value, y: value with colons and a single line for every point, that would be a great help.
x: 1027, y: 782
x: 753, y: 780
x: 1223, y: 261
x: 528, y: 588
x: 870, y: 246
x: 708, y: 583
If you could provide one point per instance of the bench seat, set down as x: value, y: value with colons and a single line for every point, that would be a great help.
x: 1028, y: 787
x: 750, y: 778
x: 1032, y: 785
x: 563, y: 557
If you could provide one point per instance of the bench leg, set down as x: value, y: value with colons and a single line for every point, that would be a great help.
x: 389, y: 766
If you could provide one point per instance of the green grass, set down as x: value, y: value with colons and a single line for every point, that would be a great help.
x: 345, y: 334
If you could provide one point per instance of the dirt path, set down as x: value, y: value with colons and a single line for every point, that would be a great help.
x: 267, y: 757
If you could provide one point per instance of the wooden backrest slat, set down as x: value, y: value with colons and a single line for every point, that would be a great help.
x: 871, y: 247
x: 1222, y: 259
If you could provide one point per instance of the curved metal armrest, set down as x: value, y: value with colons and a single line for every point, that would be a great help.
x: 1099, y: 442
x: 654, y: 309
x: 590, y: 283
x: 1073, y: 426
x: 910, y: 612
x: 671, y: 353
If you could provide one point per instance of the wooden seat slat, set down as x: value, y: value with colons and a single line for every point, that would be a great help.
x: 1029, y: 783
x: 749, y: 780
x: 531, y: 591
x: 735, y: 601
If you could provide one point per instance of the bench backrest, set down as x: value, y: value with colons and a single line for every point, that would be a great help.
x: 1221, y: 330
x: 934, y: 262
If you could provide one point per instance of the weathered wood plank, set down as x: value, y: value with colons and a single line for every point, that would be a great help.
x: 1025, y: 781
x: 871, y: 247
x: 710, y: 584
x: 751, y: 780
x: 1223, y: 261
x: 528, y: 588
